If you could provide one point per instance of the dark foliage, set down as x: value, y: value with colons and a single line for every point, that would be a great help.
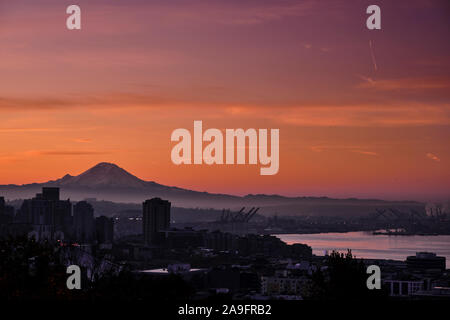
x: 344, y: 279
x: 31, y: 270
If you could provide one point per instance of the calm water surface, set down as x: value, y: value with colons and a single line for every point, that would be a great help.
x: 367, y: 245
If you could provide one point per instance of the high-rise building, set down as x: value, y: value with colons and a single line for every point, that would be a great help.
x: 46, y: 208
x: 156, y: 218
x: 37, y: 211
x: 47, y: 212
x: 6, y: 212
x: 50, y: 193
x: 104, y: 229
x: 83, y: 220
x: 62, y: 216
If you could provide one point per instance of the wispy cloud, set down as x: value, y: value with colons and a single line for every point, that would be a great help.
x: 229, y: 13
x: 433, y: 157
x: 105, y: 100
x: 355, y: 116
x: 25, y: 130
x: 29, y: 154
x: 367, y: 80
x: 64, y: 152
x: 82, y: 140
x: 350, y: 148
x: 16, y: 103
x: 372, y: 54
x: 318, y: 115
x: 367, y: 153
x: 426, y: 83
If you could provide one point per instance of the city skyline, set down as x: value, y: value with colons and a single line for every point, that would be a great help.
x: 361, y: 113
x: 149, y: 248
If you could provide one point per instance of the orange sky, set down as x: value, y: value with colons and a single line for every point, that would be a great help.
x: 137, y: 70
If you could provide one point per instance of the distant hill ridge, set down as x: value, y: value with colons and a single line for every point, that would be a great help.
x: 108, y: 181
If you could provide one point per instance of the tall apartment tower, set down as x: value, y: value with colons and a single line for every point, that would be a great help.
x: 6, y: 212
x: 50, y: 193
x: 104, y: 229
x: 156, y: 218
x: 46, y: 208
x: 83, y: 220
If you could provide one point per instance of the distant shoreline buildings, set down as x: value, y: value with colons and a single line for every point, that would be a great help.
x: 47, y: 217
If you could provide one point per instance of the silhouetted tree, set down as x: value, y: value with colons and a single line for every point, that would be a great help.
x: 128, y: 286
x: 32, y: 270
x: 344, y: 278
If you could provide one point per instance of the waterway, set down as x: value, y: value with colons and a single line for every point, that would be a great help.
x: 367, y: 245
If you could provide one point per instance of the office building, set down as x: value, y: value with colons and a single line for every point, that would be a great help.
x: 6, y: 212
x: 83, y: 219
x: 46, y: 209
x: 50, y: 193
x: 104, y: 229
x: 156, y: 218
x: 425, y: 261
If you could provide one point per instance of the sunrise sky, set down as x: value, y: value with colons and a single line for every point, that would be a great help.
x: 361, y: 113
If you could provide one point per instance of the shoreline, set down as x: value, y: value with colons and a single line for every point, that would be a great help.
x: 372, y: 232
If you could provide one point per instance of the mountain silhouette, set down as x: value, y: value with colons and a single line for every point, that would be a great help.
x: 108, y: 181
x: 103, y: 174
